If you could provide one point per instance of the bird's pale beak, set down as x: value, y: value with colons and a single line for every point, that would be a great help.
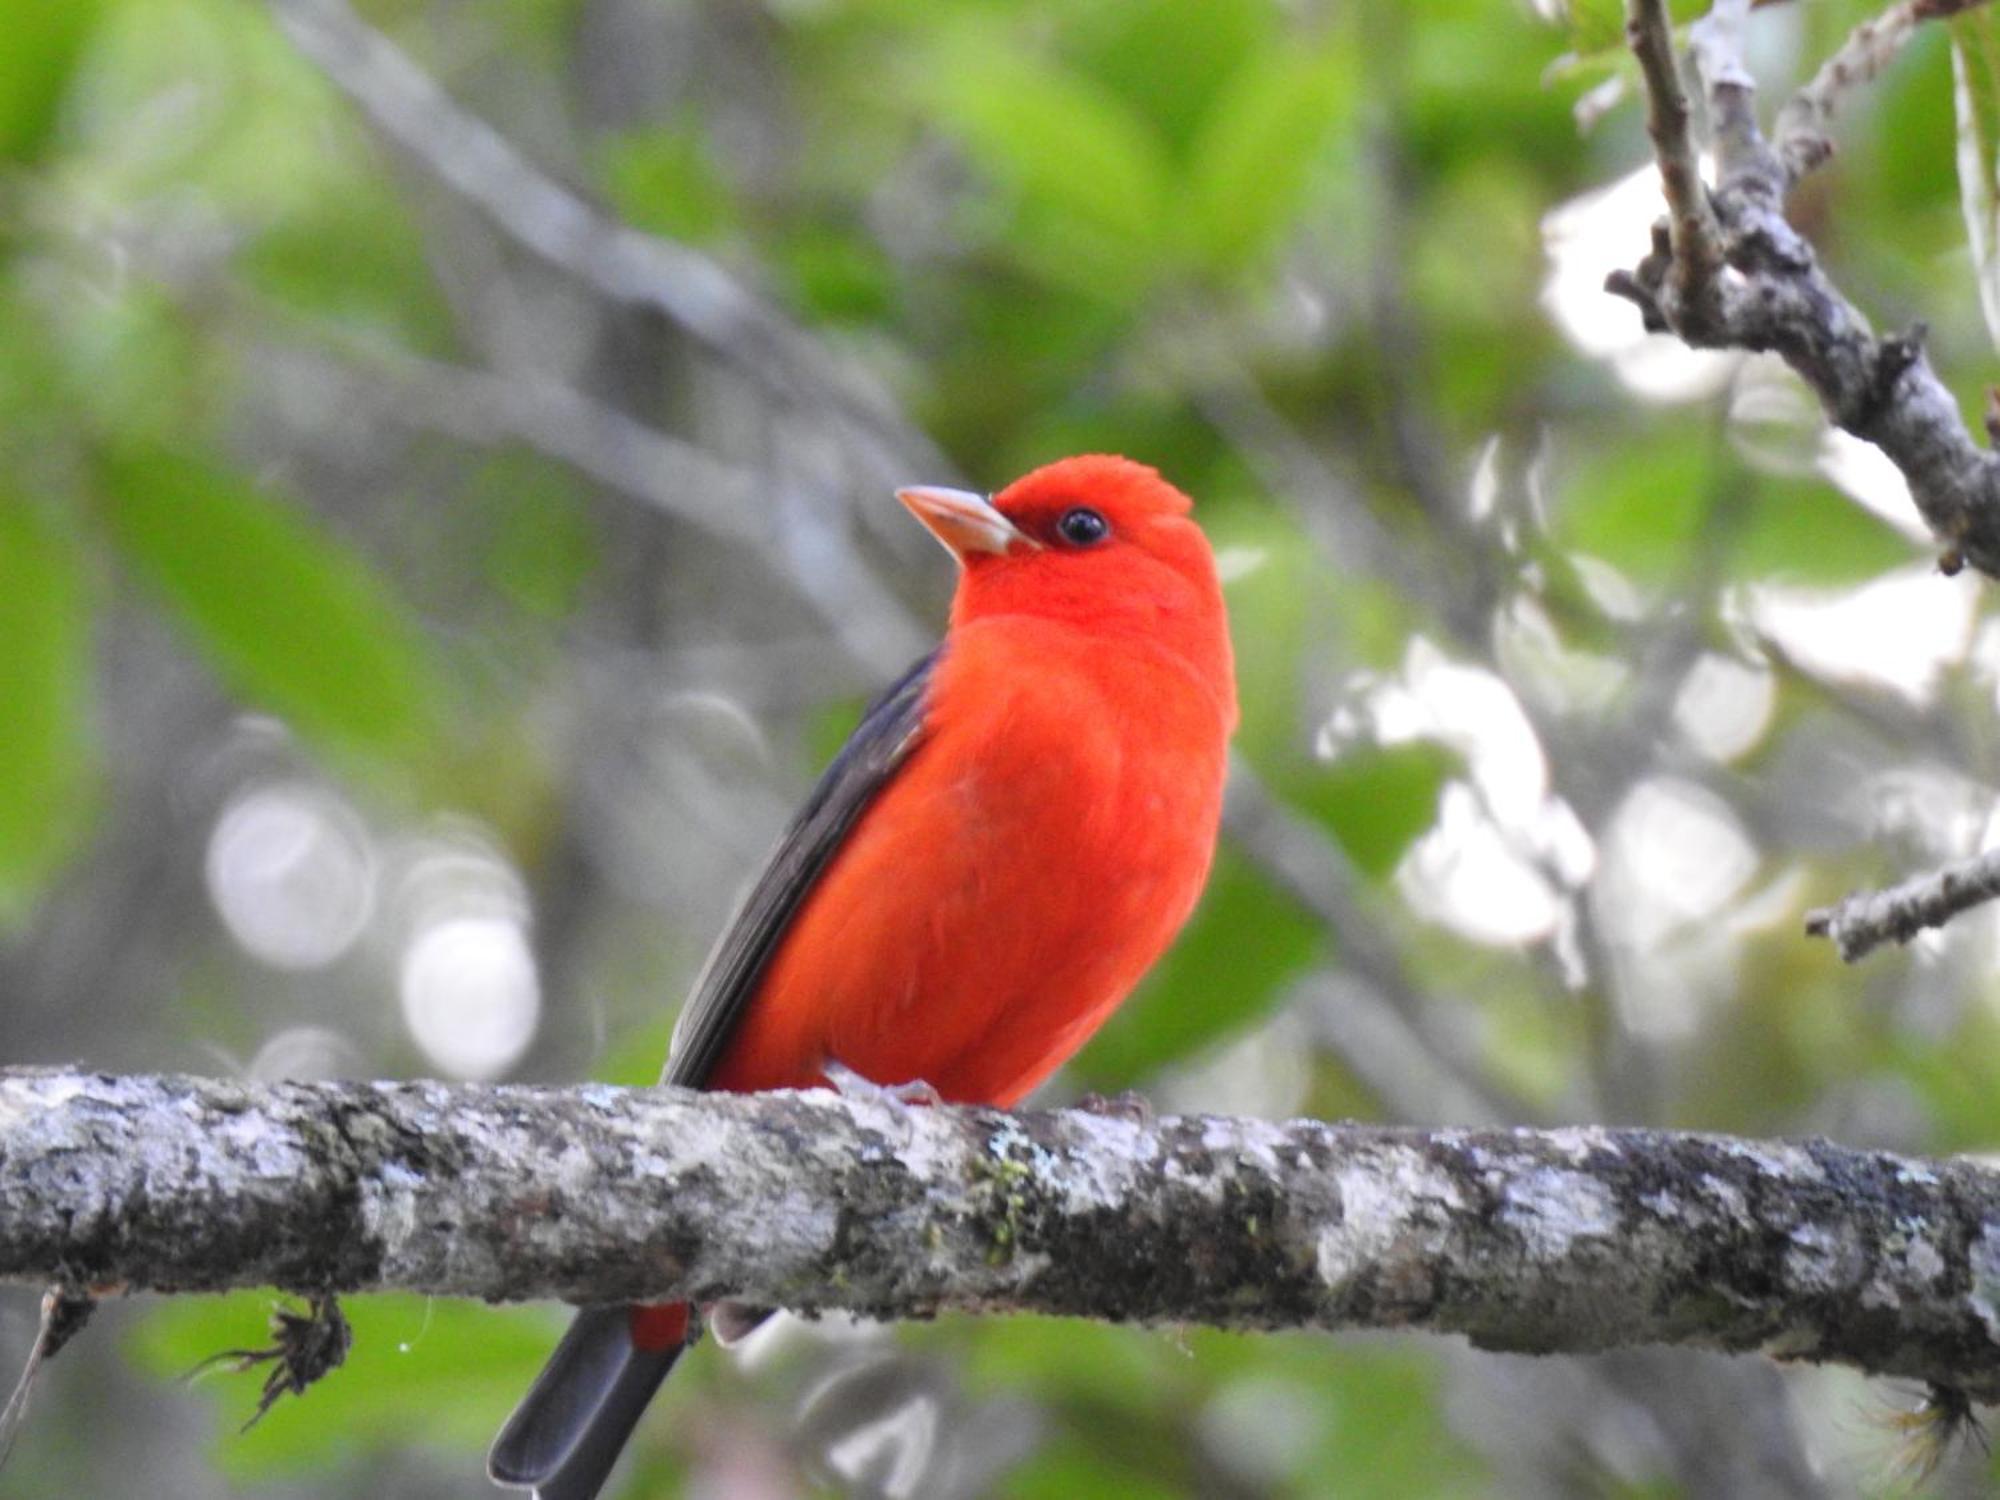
x: 966, y: 523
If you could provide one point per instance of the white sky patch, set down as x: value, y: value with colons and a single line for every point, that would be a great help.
x: 1467, y: 875
x: 1929, y: 809
x: 308, y: 1052
x: 1986, y: 657
x: 1725, y: 705
x: 1898, y: 632
x: 291, y: 872
x: 469, y: 987
x: 470, y: 993
x: 1475, y: 713
x: 1532, y: 655
x: 1774, y: 420
x: 1232, y: 563
x: 1981, y: 925
x: 1609, y: 589
x: 1587, y: 238
x: 1504, y: 851
x: 1865, y: 473
x: 1483, y: 493
x: 1674, y: 856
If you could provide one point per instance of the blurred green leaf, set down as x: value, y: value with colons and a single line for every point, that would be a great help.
x: 1368, y: 1414
x: 1639, y: 506
x: 1376, y: 801
x: 431, y: 1372
x: 836, y: 276
x: 1089, y: 179
x: 1226, y: 971
x: 1165, y: 59
x: 1252, y: 160
x: 1272, y: 582
x: 543, y: 545
x: 291, y: 619
x: 1072, y: 1465
x: 663, y: 179
x: 1806, y: 531
x: 37, y: 63
x: 45, y: 749
x: 352, y: 257
x: 635, y: 1061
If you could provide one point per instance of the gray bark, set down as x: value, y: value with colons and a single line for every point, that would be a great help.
x: 1732, y: 273
x: 1570, y: 1240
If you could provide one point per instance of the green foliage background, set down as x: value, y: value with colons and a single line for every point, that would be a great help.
x: 261, y: 523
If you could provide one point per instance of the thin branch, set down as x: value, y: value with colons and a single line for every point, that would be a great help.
x: 675, y: 477
x: 1866, y: 920
x: 1800, y: 130
x: 1539, y: 1241
x: 1691, y: 224
x: 620, y: 263
x: 1775, y: 296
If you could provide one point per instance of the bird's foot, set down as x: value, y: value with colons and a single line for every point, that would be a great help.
x: 851, y: 1085
x: 1128, y: 1104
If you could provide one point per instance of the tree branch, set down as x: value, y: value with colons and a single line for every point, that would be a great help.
x: 1772, y: 295
x: 1542, y: 1241
x: 1801, y: 126
x: 622, y: 264
x: 1864, y: 921
x: 1690, y: 224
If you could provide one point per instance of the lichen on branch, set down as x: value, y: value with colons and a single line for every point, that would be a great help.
x: 1573, y: 1240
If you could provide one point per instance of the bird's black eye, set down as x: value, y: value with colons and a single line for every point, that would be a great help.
x: 1081, y: 526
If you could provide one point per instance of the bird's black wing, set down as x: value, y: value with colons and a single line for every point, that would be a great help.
x: 887, y: 734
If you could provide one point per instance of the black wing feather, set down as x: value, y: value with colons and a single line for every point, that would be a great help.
x: 887, y: 734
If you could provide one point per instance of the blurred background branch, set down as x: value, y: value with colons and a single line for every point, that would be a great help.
x: 1861, y: 923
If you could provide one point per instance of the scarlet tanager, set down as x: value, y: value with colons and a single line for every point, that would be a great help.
x: 1013, y: 835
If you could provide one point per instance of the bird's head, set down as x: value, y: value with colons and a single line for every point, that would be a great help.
x: 1097, y: 541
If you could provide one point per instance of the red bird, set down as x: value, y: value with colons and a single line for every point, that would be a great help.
x: 1013, y: 835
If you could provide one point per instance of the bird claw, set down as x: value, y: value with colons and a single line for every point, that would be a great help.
x: 1127, y: 1104
x: 851, y: 1085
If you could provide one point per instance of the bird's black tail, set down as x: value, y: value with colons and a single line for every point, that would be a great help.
x: 570, y: 1428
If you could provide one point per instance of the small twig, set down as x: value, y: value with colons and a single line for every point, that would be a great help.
x: 618, y: 262
x: 63, y: 1315
x: 1865, y: 921
x: 1697, y: 257
x: 1800, y: 131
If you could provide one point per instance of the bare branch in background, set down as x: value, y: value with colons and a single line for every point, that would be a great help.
x: 621, y: 263
x: 675, y: 477
x: 1800, y: 129
x: 1570, y: 1240
x: 1773, y: 294
x: 1864, y: 921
